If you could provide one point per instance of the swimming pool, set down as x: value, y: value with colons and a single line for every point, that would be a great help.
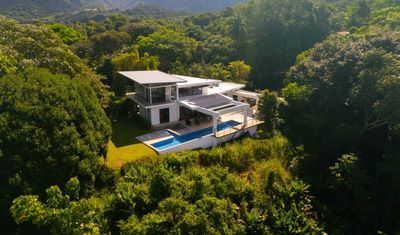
x: 180, y: 139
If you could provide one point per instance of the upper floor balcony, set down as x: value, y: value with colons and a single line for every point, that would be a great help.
x: 151, y: 96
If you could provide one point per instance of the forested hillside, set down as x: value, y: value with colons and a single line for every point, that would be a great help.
x: 326, y: 160
x: 31, y: 9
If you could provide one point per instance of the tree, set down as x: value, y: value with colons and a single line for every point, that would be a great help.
x: 51, y: 128
x: 196, y: 192
x: 341, y: 99
x: 240, y: 72
x: 60, y: 213
x: 219, y: 72
x: 277, y: 31
x: 349, y: 185
x: 360, y: 13
x: 133, y: 61
x: 8, y: 62
x: 239, y: 29
x: 140, y: 28
x: 108, y: 42
x: 216, y: 49
x: 33, y: 45
x: 270, y: 105
x: 130, y: 62
x: 169, y: 45
x: 67, y: 34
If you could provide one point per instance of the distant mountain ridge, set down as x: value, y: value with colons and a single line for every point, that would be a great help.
x: 54, y: 6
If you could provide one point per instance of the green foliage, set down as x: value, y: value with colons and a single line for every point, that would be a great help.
x: 387, y: 192
x: 269, y: 107
x: 72, y: 188
x: 52, y: 127
x: 26, y: 45
x: 217, y: 49
x: 236, y: 71
x: 8, y: 62
x: 277, y: 30
x: 240, y: 72
x: 33, y: 45
x: 59, y: 214
x: 30, y: 10
x: 133, y: 61
x: 186, y: 193
x: 195, y: 194
x: 140, y: 28
x: 386, y: 18
x: 67, y: 34
x: 169, y: 45
x: 341, y: 99
x: 130, y: 62
x: 344, y: 90
x: 101, y: 45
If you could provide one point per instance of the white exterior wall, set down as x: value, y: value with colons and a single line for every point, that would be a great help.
x: 173, y: 114
x: 240, y: 98
x: 155, y: 116
x: 205, y: 90
x: 204, y: 142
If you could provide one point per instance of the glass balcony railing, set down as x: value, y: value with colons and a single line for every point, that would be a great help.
x: 155, y: 100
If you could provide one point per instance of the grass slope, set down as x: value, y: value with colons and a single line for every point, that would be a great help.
x: 123, y: 146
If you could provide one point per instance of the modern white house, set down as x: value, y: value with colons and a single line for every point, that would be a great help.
x: 189, y: 111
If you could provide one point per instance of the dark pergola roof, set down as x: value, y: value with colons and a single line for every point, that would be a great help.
x: 210, y: 101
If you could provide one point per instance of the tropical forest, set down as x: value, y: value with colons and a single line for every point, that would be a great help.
x: 325, y: 160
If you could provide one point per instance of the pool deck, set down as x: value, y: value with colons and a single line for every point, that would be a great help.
x: 161, y: 135
x: 238, y: 117
x: 182, y: 129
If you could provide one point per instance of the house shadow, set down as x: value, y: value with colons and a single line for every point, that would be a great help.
x: 126, y: 129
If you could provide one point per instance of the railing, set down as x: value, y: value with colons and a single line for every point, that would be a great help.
x: 251, y: 122
x: 138, y: 99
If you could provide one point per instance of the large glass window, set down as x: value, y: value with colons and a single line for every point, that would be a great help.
x: 142, y: 93
x: 189, y: 91
x: 158, y: 95
x: 173, y: 92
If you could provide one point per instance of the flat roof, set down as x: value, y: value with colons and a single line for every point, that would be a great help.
x: 151, y: 77
x: 250, y: 94
x: 224, y: 87
x: 193, y: 81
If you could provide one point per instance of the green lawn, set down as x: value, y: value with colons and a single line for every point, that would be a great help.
x: 123, y: 146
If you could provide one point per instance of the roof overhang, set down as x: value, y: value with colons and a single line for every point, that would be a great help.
x: 195, y: 82
x: 151, y: 77
x: 247, y: 94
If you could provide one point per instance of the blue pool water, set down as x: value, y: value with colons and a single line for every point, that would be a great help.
x: 179, y: 139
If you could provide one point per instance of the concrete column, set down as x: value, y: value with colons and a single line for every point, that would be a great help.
x: 168, y: 93
x: 215, y: 125
x: 245, y: 116
x: 151, y: 101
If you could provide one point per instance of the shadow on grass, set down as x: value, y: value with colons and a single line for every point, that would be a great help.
x: 126, y: 129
